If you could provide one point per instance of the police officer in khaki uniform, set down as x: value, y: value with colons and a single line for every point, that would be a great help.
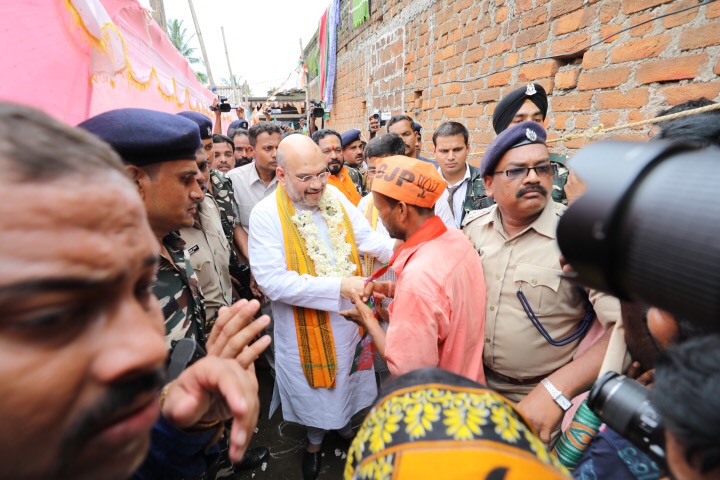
x: 535, y: 319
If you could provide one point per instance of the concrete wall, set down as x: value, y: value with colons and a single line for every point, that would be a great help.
x: 439, y: 60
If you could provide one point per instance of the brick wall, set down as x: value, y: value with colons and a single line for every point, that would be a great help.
x: 441, y: 60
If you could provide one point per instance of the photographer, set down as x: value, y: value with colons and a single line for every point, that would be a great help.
x: 687, y: 394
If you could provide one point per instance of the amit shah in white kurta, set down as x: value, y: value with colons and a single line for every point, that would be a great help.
x: 329, y: 409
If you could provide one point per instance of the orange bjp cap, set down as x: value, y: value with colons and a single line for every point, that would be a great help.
x: 409, y: 180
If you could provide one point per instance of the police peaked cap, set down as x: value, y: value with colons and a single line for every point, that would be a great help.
x: 525, y: 133
x: 203, y: 122
x: 508, y: 107
x: 144, y: 137
x: 349, y: 137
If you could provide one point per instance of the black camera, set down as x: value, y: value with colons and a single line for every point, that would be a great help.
x: 223, y: 105
x: 241, y: 273
x: 318, y: 111
x: 624, y: 405
x: 647, y: 228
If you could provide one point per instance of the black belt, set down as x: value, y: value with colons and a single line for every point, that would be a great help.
x: 489, y: 372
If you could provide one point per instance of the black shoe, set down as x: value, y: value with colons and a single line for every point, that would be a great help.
x: 311, y: 465
x: 253, y: 458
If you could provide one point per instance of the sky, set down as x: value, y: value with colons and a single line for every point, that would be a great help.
x: 262, y: 36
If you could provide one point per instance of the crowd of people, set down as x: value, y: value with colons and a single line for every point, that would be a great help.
x: 139, y: 247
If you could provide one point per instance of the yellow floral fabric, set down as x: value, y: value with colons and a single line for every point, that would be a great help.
x: 440, y: 431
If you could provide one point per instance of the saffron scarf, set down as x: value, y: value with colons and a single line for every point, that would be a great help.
x: 346, y: 186
x: 314, y: 332
x: 429, y: 230
x: 371, y: 213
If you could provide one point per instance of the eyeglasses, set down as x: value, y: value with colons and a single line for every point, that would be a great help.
x: 371, y: 171
x: 544, y: 170
x: 321, y: 177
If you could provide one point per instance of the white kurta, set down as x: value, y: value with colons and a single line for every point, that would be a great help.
x: 330, y: 409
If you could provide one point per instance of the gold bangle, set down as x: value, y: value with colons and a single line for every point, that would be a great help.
x: 163, y: 394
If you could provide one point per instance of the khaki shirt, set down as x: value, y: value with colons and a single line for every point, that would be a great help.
x: 529, y: 261
x: 209, y: 253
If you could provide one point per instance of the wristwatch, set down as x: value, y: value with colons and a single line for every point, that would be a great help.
x: 557, y: 395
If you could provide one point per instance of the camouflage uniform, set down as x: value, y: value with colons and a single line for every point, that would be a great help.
x: 178, y: 291
x: 560, y: 179
x: 358, y: 178
x: 222, y: 191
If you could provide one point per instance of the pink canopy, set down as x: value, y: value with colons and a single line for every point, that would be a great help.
x: 77, y: 58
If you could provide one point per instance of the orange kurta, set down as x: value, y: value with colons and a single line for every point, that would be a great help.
x: 344, y: 183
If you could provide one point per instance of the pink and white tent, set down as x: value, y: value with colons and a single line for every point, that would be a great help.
x: 77, y: 58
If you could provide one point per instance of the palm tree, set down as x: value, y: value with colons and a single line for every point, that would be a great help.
x: 177, y: 34
x: 229, y: 81
x: 202, y: 77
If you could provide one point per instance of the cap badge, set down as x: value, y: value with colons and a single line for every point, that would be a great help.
x: 209, y: 131
x: 530, y: 90
x: 531, y: 135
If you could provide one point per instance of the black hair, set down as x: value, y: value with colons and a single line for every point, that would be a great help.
x: 450, y: 129
x: 399, y: 118
x: 384, y: 146
x: 262, y: 127
x: 687, y: 394
x: 689, y: 105
x: 239, y: 131
x: 320, y: 134
x: 218, y: 138
x: 47, y: 149
x: 702, y: 129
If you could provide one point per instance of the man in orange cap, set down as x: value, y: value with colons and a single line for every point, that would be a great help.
x: 439, y: 298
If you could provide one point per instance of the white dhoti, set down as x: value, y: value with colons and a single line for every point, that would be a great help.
x: 329, y: 409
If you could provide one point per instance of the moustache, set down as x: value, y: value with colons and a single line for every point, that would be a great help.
x: 115, y: 404
x: 531, y: 188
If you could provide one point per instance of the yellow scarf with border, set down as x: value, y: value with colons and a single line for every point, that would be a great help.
x: 313, y: 329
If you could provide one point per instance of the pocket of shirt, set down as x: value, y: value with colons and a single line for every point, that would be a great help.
x: 540, y: 286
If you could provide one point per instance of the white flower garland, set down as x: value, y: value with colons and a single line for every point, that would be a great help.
x: 332, y: 213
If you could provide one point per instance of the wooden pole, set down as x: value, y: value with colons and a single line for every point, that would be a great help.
x: 232, y: 77
x: 202, y: 44
x: 307, y: 85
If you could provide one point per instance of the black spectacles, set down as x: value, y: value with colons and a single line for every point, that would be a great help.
x: 544, y: 170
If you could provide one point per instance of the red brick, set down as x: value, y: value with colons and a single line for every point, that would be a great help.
x: 700, y: 37
x: 465, y: 98
x: 499, y: 79
x: 511, y: 59
x: 717, y: 68
x: 647, y: 25
x: 616, y: 100
x: 559, y: 121
x: 561, y: 7
x: 670, y: 69
x: 547, y: 83
x: 523, y: 5
x: 632, y: 6
x: 573, y: 21
x: 534, y: 17
x: 713, y: 10
x: 566, y: 79
x: 609, y: 33
x: 532, y: 35
x: 474, y: 56
x: 452, y: 88
x: 473, y: 111
x: 538, y: 70
x: 491, y: 34
x: 636, y: 116
x: 501, y: 15
x: 603, y: 78
x: 609, y: 119
x: 487, y: 95
x: 593, y: 59
x: 453, y: 113
x: 683, y: 93
x: 680, y: 18
x: 582, y: 121
x: 498, y: 47
x: 577, y: 102
x: 640, y: 49
x: 570, y: 44
x: 608, y: 10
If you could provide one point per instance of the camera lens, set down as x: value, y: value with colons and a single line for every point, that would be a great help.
x: 376, y: 116
x: 624, y: 405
